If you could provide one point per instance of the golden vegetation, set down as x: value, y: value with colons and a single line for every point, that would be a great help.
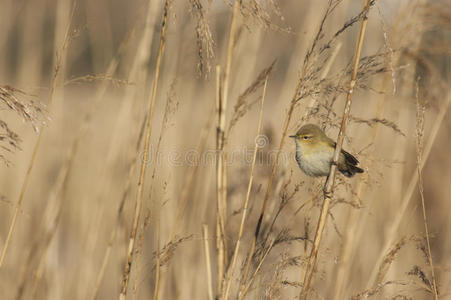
x: 161, y: 169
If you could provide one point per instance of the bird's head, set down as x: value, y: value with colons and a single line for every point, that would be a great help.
x: 309, y: 135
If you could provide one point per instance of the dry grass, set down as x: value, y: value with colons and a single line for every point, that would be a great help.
x: 130, y: 88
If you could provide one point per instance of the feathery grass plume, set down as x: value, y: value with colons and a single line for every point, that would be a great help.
x: 276, y: 283
x: 167, y: 252
x: 27, y: 109
x: 285, y: 198
x: 333, y: 86
x: 388, y: 259
x: 242, y: 105
x: 427, y: 284
x: 9, y: 141
x: 377, y: 289
x: 261, y: 13
x: 20, y: 102
x: 245, y: 287
x: 204, y: 38
x: 91, y: 78
x: 317, y: 51
x: 372, y: 122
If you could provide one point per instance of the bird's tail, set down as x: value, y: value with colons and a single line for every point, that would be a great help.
x: 350, y: 170
x: 350, y: 167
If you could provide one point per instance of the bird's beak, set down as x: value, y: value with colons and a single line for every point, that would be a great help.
x: 292, y: 136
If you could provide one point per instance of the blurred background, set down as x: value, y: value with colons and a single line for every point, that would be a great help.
x: 86, y: 89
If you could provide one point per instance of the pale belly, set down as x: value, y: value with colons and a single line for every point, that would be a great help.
x: 314, y: 164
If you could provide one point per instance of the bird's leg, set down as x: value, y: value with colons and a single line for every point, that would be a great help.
x: 327, y: 193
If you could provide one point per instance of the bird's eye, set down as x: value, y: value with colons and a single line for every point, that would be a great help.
x: 305, y: 137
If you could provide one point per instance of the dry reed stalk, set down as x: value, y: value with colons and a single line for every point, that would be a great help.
x: 220, y: 215
x: 144, y: 162
x: 138, y: 251
x: 170, y: 108
x: 328, y: 187
x: 326, y: 70
x: 207, y: 261
x: 111, y: 240
x: 24, y: 278
x: 419, y: 148
x: 37, y: 275
x: 141, y: 58
x: 307, y: 220
x: 221, y: 167
x: 136, y: 74
x: 59, y: 64
x: 119, y: 213
x: 353, y: 216
x: 189, y: 179
x: 394, y: 227
x: 231, y: 44
x: 157, y: 258
x: 229, y: 277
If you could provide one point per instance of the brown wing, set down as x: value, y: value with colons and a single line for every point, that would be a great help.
x: 350, y: 168
x: 350, y: 159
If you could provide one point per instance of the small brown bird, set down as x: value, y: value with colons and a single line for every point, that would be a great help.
x: 315, y: 151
